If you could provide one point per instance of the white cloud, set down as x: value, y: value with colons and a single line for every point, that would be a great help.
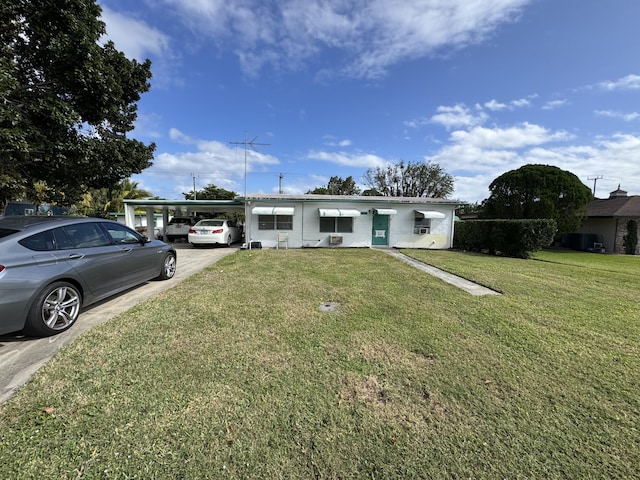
x: 214, y: 162
x: 134, y: 37
x: 369, y: 36
x: 495, y: 105
x: 364, y: 160
x: 477, y: 156
x: 332, y: 141
x: 508, y: 138
x: 627, y: 117
x: 416, y: 122
x: 630, y: 82
x: 553, y: 104
x: 458, y: 116
x: 521, y: 102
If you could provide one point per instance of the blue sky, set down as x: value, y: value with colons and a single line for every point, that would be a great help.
x: 335, y: 87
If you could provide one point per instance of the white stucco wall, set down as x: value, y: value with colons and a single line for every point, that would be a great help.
x: 306, y: 226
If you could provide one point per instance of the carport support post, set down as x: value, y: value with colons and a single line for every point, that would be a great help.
x: 129, y: 215
x: 247, y: 223
x: 151, y: 224
x: 165, y: 222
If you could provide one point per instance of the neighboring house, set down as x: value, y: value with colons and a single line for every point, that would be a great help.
x: 349, y: 221
x: 299, y: 221
x: 607, y: 219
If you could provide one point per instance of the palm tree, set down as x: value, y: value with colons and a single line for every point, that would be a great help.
x: 99, y: 202
x: 126, y: 189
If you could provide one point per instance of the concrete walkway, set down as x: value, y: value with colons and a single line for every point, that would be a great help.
x: 464, y: 284
x: 21, y: 357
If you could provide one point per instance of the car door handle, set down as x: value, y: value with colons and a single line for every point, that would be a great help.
x: 75, y: 256
x: 126, y: 250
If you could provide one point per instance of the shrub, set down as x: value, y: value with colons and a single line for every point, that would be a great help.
x: 631, y: 238
x: 513, y: 238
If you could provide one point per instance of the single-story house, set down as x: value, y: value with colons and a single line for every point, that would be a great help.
x: 349, y: 221
x: 607, y: 219
x: 301, y: 221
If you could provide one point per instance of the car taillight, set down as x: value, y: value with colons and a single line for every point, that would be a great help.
x: 1, y: 268
x: 218, y: 230
x: 192, y: 230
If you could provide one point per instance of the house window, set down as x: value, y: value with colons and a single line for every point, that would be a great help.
x: 336, y: 224
x: 275, y: 222
x: 421, y: 225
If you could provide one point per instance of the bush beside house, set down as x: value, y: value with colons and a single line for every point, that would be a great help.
x: 513, y: 238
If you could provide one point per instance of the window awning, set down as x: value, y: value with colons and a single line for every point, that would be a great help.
x: 338, y: 212
x: 273, y: 210
x: 385, y: 211
x: 431, y: 214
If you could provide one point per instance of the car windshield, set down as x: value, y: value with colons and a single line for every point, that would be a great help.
x: 211, y: 223
x: 180, y: 220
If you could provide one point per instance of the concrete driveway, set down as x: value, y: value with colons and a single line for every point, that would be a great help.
x: 21, y: 357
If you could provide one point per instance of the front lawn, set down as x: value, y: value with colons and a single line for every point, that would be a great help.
x: 239, y: 373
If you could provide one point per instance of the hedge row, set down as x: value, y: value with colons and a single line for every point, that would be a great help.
x: 513, y: 238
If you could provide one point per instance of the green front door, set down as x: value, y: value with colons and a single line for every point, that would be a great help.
x: 380, y: 230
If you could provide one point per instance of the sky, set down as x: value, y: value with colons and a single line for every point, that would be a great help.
x: 327, y: 88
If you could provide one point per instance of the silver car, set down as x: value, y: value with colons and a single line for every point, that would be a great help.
x: 50, y: 267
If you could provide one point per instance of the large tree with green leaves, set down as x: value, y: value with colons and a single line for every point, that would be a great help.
x: 67, y: 102
x: 539, y: 191
x: 420, y: 179
x: 338, y: 186
x: 211, y: 192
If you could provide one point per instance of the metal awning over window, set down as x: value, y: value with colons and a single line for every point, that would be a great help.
x: 273, y: 210
x: 385, y: 211
x: 431, y: 214
x: 338, y: 212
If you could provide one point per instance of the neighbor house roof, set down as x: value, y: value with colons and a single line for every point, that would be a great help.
x: 615, y: 207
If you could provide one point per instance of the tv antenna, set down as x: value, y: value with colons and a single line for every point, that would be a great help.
x: 595, y: 178
x: 247, y: 143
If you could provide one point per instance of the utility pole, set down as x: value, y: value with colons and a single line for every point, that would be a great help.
x: 251, y: 143
x: 280, y: 184
x: 595, y: 178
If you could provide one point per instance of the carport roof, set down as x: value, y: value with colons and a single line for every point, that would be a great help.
x: 238, y: 202
x: 235, y: 204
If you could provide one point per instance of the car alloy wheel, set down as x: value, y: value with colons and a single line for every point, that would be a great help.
x: 55, y: 310
x: 168, y: 267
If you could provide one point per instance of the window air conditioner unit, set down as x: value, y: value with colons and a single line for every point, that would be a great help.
x: 335, y: 239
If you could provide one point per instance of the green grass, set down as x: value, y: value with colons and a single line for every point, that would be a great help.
x: 237, y: 373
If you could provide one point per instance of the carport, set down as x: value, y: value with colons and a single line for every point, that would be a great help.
x: 187, y: 207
